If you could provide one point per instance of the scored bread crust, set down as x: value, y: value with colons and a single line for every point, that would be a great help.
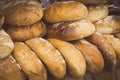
x: 29, y: 62
x: 71, y: 30
x: 65, y: 11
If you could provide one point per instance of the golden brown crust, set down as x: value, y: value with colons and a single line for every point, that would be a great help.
x: 1, y: 20
x: 88, y: 2
x: 92, y: 55
x: 6, y: 44
x: 106, y: 49
x: 75, y: 61
x: 23, y: 33
x: 96, y: 13
x: 29, y: 62
x: 22, y: 12
x: 65, y: 11
x: 9, y: 69
x: 115, y: 42
x: 110, y: 24
x: 71, y: 30
x: 49, y: 55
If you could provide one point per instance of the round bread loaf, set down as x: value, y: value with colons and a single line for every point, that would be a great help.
x: 10, y: 70
x: 92, y: 55
x: 1, y: 20
x: 65, y: 11
x: 26, y: 32
x: 110, y: 24
x: 22, y: 12
x: 96, y: 13
x: 71, y: 30
x: 88, y: 2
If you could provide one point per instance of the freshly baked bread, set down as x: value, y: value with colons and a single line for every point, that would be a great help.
x: 49, y: 55
x: 106, y: 49
x: 1, y: 20
x: 22, y: 12
x: 76, y: 64
x: 105, y: 75
x: 110, y: 24
x: 6, y: 44
x: 115, y: 44
x: 65, y: 11
x: 96, y: 13
x: 10, y: 70
x: 23, y: 33
x: 88, y: 2
x: 71, y: 30
x: 92, y: 55
x: 29, y: 62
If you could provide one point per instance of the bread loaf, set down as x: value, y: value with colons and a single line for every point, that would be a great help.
x: 110, y: 24
x: 106, y: 49
x: 29, y: 62
x: 49, y: 55
x: 10, y: 70
x: 96, y: 13
x: 23, y: 33
x: 22, y: 12
x: 115, y: 44
x: 92, y: 55
x: 71, y: 30
x: 65, y: 11
x: 6, y: 44
x: 76, y: 64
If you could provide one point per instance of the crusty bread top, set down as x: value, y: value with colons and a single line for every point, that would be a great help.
x: 65, y: 11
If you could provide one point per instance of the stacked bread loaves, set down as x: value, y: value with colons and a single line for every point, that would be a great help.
x: 79, y: 42
x: 67, y: 21
x: 23, y: 19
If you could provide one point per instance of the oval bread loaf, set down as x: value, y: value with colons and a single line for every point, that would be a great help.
x: 22, y: 12
x: 29, y: 62
x: 65, y: 11
x: 49, y: 55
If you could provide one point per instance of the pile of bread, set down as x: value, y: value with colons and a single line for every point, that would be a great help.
x: 67, y: 40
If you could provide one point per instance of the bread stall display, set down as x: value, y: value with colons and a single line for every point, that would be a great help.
x: 59, y: 40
